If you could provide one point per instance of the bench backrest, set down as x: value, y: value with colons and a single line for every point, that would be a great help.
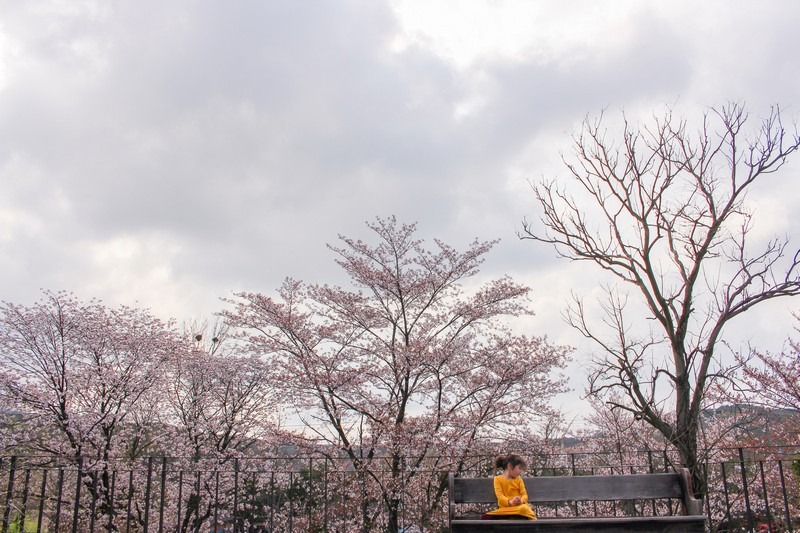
x: 584, y: 488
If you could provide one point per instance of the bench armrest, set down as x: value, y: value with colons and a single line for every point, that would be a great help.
x: 691, y: 505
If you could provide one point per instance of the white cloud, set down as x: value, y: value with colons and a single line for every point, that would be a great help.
x: 16, y: 222
x: 484, y: 31
x: 128, y: 269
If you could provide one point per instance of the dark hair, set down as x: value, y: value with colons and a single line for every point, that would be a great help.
x: 503, y: 461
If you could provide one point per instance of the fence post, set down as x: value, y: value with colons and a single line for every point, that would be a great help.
x: 130, y: 502
x: 163, y: 494
x: 651, y: 469
x: 310, y: 496
x: 216, y: 497
x: 180, y: 499
x: 745, y: 489
x: 9, y: 493
x: 77, y: 506
x: 60, y: 494
x: 291, y: 500
x: 325, y: 493
x: 196, y: 526
x: 111, y: 511
x: 725, y: 490
x: 766, y: 496
x: 93, y: 507
x: 707, y: 497
x: 785, y: 497
x: 235, y: 493
x: 272, y: 499
x: 41, y: 500
x: 25, y: 493
x: 574, y: 472
x: 147, y: 493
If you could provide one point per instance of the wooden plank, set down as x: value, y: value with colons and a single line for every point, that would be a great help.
x: 577, y: 488
x: 621, y: 487
x: 670, y: 524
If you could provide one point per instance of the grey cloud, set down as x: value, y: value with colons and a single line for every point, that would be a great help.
x: 252, y: 133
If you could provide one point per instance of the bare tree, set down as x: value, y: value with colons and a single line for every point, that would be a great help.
x: 663, y: 210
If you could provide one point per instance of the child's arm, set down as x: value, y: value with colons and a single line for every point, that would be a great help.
x: 523, y: 492
x: 502, y: 499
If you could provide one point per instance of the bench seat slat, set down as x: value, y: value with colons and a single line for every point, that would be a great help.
x: 671, y: 524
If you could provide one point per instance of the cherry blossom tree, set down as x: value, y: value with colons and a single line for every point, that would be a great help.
x: 81, y: 369
x: 415, y: 360
x: 78, y: 374
x: 773, y: 379
x: 663, y: 211
x: 218, y: 406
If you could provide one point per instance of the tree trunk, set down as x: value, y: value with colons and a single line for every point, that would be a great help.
x: 687, y: 448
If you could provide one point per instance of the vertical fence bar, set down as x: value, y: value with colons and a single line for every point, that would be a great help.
x: 93, y: 506
x: 725, y: 490
x: 197, y: 494
x: 9, y: 493
x: 25, y: 492
x: 310, y: 497
x: 325, y: 497
x: 163, y: 494
x: 180, y: 500
x: 235, y: 493
x: 77, y: 506
x: 272, y: 500
x: 216, y: 497
x: 344, y: 496
x: 573, y: 468
x: 766, y: 496
x: 745, y: 489
x: 785, y: 497
x: 707, y: 497
x: 147, y: 487
x: 111, y: 511
x: 60, y: 492
x: 252, y: 499
x: 130, y: 502
x: 291, y: 501
x: 651, y: 469
x: 42, y: 493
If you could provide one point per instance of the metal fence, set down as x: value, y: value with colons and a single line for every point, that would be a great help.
x: 748, y: 489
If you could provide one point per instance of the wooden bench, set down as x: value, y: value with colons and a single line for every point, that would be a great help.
x: 673, y: 487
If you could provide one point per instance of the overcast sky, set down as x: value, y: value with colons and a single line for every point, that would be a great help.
x: 165, y: 154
